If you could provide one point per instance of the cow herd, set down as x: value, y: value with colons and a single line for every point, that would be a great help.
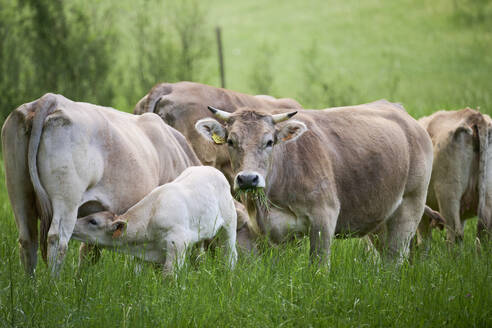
x: 135, y: 182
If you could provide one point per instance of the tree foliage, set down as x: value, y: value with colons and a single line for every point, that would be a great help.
x: 109, y: 53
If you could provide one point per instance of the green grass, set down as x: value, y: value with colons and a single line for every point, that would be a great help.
x: 414, y: 52
x: 418, y: 53
x: 447, y: 287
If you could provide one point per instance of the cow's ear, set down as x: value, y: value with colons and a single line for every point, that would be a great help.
x: 290, y: 131
x: 212, y: 130
x: 118, y: 227
x: 463, y: 128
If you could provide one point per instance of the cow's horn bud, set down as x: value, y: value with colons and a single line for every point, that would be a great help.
x: 277, y: 118
x: 223, y: 115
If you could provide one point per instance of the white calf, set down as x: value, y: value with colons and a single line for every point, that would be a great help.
x: 174, y: 217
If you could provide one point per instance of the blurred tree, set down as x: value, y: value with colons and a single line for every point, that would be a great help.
x: 15, y: 54
x: 189, y: 21
x: 169, y: 43
x: 261, y: 77
x: 72, y: 54
x: 322, y: 86
x: 109, y: 53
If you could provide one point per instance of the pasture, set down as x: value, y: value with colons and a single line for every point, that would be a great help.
x: 446, y: 287
x: 426, y: 55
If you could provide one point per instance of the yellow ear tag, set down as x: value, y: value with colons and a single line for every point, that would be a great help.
x: 217, y: 139
x: 287, y: 138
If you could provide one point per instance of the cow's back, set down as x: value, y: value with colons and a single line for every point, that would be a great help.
x: 124, y: 156
x: 372, y: 152
x: 182, y: 104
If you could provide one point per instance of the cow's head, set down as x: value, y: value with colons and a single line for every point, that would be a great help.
x: 99, y: 228
x: 251, y: 136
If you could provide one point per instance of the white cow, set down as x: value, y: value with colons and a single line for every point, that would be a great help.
x: 66, y: 159
x: 174, y: 217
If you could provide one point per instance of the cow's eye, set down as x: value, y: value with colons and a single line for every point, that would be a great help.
x: 230, y: 142
x: 93, y: 222
x: 269, y: 143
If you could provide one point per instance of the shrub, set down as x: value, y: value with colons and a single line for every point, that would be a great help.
x: 322, y: 86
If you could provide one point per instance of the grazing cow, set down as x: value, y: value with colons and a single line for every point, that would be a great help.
x: 341, y: 171
x: 461, y: 182
x: 174, y: 217
x: 182, y: 104
x: 66, y: 159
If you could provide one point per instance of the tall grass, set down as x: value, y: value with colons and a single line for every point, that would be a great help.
x: 449, y: 286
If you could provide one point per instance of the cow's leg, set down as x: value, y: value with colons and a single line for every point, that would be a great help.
x: 378, y: 238
x: 484, y: 224
x: 449, y: 207
x: 62, y: 225
x: 65, y: 199
x: 19, y: 188
x: 229, y: 241
x: 175, y: 255
x: 322, y: 231
x: 229, y: 215
x: 402, y: 225
x: 423, y: 236
x: 424, y: 229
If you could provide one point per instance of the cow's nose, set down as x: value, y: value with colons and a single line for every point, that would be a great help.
x: 245, y: 181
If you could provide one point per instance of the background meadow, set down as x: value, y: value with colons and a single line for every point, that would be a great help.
x: 428, y: 55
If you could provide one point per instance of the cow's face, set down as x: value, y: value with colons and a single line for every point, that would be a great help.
x: 250, y: 136
x: 99, y: 228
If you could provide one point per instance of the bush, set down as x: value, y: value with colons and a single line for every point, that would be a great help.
x: 15, y: 53
x: 53, y: 46
x: 168, y: 43
x: 322, y: 86
x: 472, y: 11
x: 261, y: 78
x: 108, y: 53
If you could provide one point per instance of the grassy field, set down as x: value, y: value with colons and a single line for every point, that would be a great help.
x: 427, y: 55
x: 447, y: 287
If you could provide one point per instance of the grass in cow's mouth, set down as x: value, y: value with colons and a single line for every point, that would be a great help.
x: 257, y: 194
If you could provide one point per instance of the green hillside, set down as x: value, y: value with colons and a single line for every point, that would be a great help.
x: 426, y: 54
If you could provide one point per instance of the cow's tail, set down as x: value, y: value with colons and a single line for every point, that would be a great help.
x: 481, y: 129
x: 48, y: 103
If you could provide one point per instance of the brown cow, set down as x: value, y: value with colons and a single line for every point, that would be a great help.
x: 341, y: 171
x: 461, y: 183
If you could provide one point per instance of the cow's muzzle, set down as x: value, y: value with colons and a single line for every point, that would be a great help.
x: 249, y: 180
